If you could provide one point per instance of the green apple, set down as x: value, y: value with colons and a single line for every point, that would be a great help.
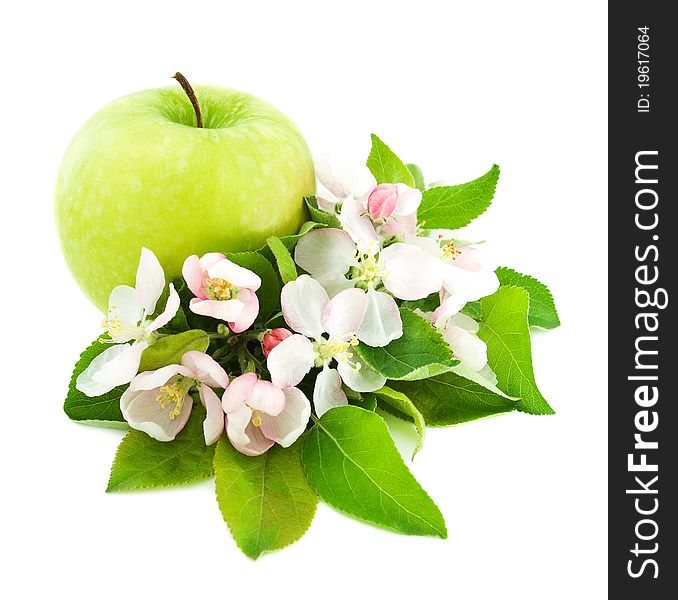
x: 141, y: 173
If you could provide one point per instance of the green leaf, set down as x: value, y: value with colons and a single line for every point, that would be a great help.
x: 419, y: 181
x: 102, y: 410
x: 142, y: 462
x: 452, y: 207
x: 419, y: 353
x: 449, y: 399
x: 269, y: 292
x: 265, y: 500
x: 285, y: 262
x: 319, y: 215
x: 168, y: 350
x: 386, y: 166
x: 178, y: 324
x: 367, y: 401
x: 351, y: 461
x: 428, y: 304
x: 403, y: 404
x: 505, y: 330
x: 542, y: 312
x: 472, y: 309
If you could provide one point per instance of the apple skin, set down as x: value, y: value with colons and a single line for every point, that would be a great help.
x: 140, y: 173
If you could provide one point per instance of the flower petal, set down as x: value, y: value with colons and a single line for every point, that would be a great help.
x: 115, y: 366
x: 359, y: 226
x: 335, y: 283
x: 465, y: 322
x: 143, y: 412
x: 258, y: 444
x: 213, y: 425
x: 325, y: 251
x: 410, y: 273
x: 468, y: 348
x: 363, y: 379
x: 303, y: 302
x: 238, y: 391
x: 124, y: 307
x: 205, y: 369
x: 409, y: 200
x: 401, y: 224
x: 342, y: 177
x: 267, y: 398
x: 235, y: 274
x: 344, y: 314
x: 150, y: 281
x: 290, y: 360
x: 382, y: 323
x: 149, y: 380
x: 249, y: 313
x: 236, y: 426
x: 192, y: 274
x: 286, y: 427
x: 327, y: 392
x: 327, y: 204
x: 225, y: 310
x: 166, y: 315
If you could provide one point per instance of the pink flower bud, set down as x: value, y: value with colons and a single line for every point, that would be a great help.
x: 273, y: 338
x: 383, y: 200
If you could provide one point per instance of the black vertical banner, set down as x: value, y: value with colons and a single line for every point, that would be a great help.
x: 643, y: 260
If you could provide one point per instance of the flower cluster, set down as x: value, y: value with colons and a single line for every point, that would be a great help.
x: 292, y: 352
x: 348, y: 295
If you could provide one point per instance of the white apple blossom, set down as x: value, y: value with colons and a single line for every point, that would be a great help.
x: 129, y: 320
x: 159, y: 403
x: 259, y: 414
x: 404, y: 271
x: 327, y: 332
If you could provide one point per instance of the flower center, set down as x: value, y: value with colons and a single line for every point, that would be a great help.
x: 337, y: 349
x: 173, y: 395
x: 369, y: 270
x: 256, y: 419
x: 449, y: 251
x: 220, y: 289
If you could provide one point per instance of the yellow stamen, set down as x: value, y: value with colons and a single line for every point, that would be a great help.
x: 449, y: 251
x: 220, y: 289
x: 173, y: 395
x: 256, y: 419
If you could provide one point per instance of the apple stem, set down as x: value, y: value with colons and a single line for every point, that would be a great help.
x: 183, y: 82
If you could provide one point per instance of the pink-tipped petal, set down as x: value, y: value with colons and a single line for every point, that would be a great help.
x: 205, y: 369
x: 344, y: 314
x: 273, y: 338
x: 327, y: 392
x: 325, y: 251
x: 249, y: 313
x: 210, y: 259
x: 267, y: 398
x: 225, y: 310
x: 402, y: 224
x: 150, y: 281
x: 286, y: 427
x: 303, y: 302
x: 238, y: 391
x: 213, y: 425
x: 410, y: 273
x: 383, y: 201
x: 290, y: 361
x: 237, y: 423
x: 192, y: 274
x: 258, y: 442
x: 235, y: 274
x: 382, y: 323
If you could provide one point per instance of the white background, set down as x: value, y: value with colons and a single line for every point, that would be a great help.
x: 454, y: 86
